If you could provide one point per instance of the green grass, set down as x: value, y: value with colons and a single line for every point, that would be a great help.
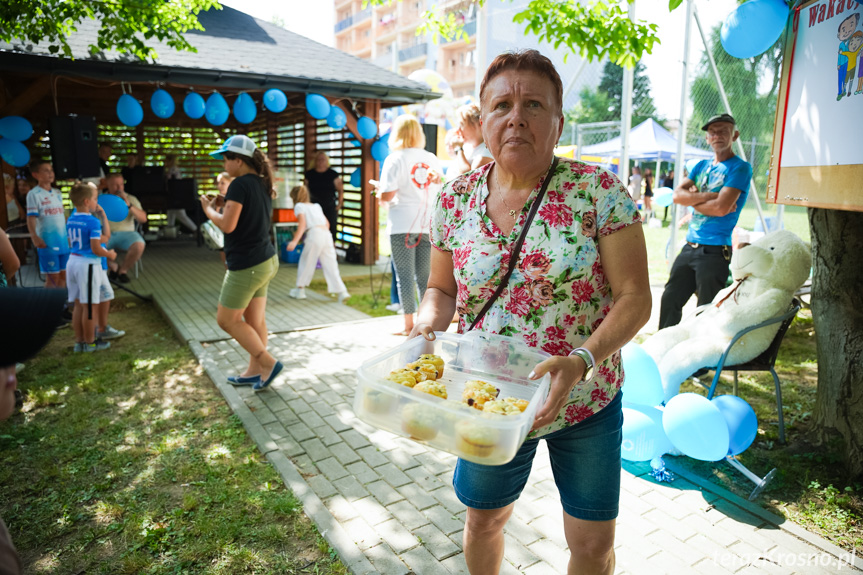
x: 810, y: 487
x: 369, y: 294
x: 129, y: 461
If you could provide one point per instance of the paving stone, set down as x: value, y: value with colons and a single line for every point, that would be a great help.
x: 436, y: 542
x: 446, y: 496
x: 754, y: 537
x: 332, y: 469
x: 362, y: 472
x: 708, y: 566
x: 443, y: 519
x: 321, y: 486
x: 550, y: 526
x: 354, y: 439
x: 408, y: 446
x: 393, y: 475
x: 290, y: 447
x: 312, y: 419
x: 385, y: 561
x: 665, y: 562
x: 422, y: 477
x: 665, y: 541
x: 550, y: 553
x: 341, y: 509
x: 668, y: 506
x: 543, y: 568
x: 456, y: 565
x: 432, y: 463
x: 507, y: 568
x: 327, y: 435
x: 635, y: 542
x: 521, y: 531
x: 408, y: 515
x: 381, y: 491
x: 350, y: 488
x: 322, y: 408
x: 372, y: 456
x: 286, y: 393
x: 299, y: 406
x: 399, y: 538
x: 709, y: 548
x: 362, y: 533
x: 372, y: 511
x: 301, y: 432
x: 658, y: 517
x: 344, y: 453
x: 265, y: 416
x: 634, y: 504
x: 337, y: 422
x: 276, y: 430
x: 421, y: 561
x: 316, y: 449
x: 275, y: 402
x: 400, y: 458
x: 305, y: 465
x: 517, y: 552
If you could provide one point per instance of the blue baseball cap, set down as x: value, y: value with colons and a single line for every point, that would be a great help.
x: 239, y: 144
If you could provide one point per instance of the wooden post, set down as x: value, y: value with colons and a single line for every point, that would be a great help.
x: 273, y: 141
x: 310, y: 137
x: 369, y: 170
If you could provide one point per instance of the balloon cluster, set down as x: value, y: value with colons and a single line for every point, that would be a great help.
x: 13, y: 131
x: 704, y: 429
x: 753, y: 27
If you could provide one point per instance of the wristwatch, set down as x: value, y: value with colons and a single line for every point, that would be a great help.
x: 589, y: 362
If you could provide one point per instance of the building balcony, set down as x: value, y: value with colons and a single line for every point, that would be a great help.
x: 413, y: 52
x: 344, y: 24
x: 363, y: 15
x: 469, y: 28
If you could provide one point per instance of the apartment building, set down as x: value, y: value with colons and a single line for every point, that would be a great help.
x: 387, y: 36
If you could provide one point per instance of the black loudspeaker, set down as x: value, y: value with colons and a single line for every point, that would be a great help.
x: 430, y: 131
x: 74, y: 149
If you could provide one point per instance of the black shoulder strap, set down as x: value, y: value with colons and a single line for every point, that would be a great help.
x: 516, y: 250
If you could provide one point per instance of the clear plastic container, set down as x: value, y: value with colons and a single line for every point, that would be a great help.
x: 471, y: 434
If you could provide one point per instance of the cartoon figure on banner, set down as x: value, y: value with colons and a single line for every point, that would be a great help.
x: 854, y: 46
x: 847, y: 62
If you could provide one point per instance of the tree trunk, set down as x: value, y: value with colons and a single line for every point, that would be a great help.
x: 837, y: 311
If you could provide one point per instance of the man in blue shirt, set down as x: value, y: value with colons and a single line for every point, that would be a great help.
x: 716, y: 189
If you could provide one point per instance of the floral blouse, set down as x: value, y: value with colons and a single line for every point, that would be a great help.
x: 557, y: 294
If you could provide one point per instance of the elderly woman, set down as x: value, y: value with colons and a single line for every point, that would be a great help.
x: 578, y: 290
x: 326, y: 188
x: 471, y: 133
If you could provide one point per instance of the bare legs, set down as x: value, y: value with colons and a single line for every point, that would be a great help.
x: 248, y: 326
x: 591, y: 543
x: 135, y: 252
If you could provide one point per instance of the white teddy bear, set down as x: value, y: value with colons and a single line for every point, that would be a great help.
x: 766, y: 274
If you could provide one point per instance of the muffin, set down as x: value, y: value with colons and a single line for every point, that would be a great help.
x: 425, y: 370
x: 435, y: 360
x: 474, y: 439
x: 406, y: 377
x: 521, y: 404
x: 477, y: 392
x: 501, y: 407
x: 420, y: 421
x: 432, y: 387
x: 377, y: 401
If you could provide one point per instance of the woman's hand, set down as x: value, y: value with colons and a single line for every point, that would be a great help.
x: 207, y: 202
x: 565, y: 373
x: 423, y: 329
x: 292, y: 246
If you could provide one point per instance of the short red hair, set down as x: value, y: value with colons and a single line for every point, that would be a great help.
x: 530, y: 60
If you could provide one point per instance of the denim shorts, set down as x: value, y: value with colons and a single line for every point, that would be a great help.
x: 585, y: 460
x: 123, y: 240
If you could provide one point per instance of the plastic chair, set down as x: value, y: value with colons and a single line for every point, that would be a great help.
x: 764, y: 362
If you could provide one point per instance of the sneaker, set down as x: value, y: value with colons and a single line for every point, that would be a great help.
x: 124, y: 278
x: 97, y: 345
x: 79, y: 347
x: 343, y: 296
x: 298, y: 293
x: 112, y: 275
x: 396, y: 307
x: 109, y: 333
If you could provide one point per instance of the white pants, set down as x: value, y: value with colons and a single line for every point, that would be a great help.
x: 174, y: 215
x: 318, y: 245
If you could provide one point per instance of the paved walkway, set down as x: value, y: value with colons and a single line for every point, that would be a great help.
x: 386, y: 503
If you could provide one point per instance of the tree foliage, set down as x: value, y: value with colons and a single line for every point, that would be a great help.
x: 126, y: 25
x: 603, y: 104
x: 595, y: 29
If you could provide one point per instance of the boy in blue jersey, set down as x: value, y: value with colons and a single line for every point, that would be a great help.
x: 46, y: 222
x: 716, y: 189
x: 87, y: 282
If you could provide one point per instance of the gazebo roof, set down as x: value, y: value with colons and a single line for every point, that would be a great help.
x: 234, y: 51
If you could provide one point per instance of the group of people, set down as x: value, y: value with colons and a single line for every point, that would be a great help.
x: 549, y: 251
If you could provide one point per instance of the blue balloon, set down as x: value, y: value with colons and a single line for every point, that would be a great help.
x: 129, y: 110
x: 663, y: 197
x: 356, y: 178
x: 642, y: 383
x: 162, y: 104
x: 386, y: 137
x: 217, y: 109
x: 696, y: 427
x: 643, y: 435
x: 244, y: 109
x: 354, y: 142
x: 275, y: 100
x: 742, y: 422
x: 194, y: 105
x: 15, y: 128
x: 14, y: 153
x: 317, y: 106
x: 336, y: 118
x: 367, y: 128
x: 380, y: 151
x: 115, y: 208
x: 753, y: 27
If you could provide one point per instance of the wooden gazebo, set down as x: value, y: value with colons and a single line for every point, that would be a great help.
x: 236, y: 53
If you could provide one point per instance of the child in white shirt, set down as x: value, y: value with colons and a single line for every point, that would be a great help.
x: 318, y: 245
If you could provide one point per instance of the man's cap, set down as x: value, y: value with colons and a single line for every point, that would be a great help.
x: 719, y: 118
x: 30, y: 317
x: 239, y: 144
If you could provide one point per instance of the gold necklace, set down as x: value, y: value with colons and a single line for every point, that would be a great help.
x: 512, y: 213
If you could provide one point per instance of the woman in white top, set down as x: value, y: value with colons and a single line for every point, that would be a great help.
x: 471, y: 132
x: 318, y: 245
x: 635, y: 184
x: 410, y: 181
